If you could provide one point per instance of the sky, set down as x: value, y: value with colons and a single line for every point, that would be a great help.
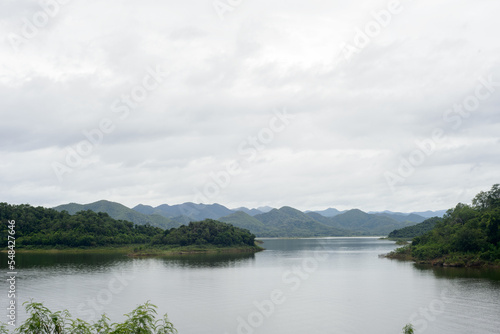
x: 376, y: 105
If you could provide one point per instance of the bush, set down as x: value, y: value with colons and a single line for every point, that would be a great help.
x: 139, y: 321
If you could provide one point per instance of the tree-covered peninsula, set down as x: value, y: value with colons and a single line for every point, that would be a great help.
x: 42, y: 228
x: 468, y: 235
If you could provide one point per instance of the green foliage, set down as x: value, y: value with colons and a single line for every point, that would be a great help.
x: 488, y: 200
x: 467, y: 235
x: 408, y: 329
x: 206, y: 232
x: 415, y: 230
x: 142, y: 320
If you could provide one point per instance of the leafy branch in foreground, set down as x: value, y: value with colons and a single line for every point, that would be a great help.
x: 142, y: 320
x: 408, y: 329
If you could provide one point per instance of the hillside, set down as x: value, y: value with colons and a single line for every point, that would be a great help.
x: 120, y: 212
x: 243, y: 220
x: 402, y: 217
x: 330, y: 212
x: 250, y: 212
x: 191, y: 210
x: 290, y: 222
x: 362, y: 222
x: 430, y: 214
x: 413, y: 231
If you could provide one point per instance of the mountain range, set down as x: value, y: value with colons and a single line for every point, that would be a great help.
x: 263, y: 221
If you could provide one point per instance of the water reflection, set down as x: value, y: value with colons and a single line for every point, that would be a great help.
x: 58, y: 260
x: 491, y: 274
x: 98, y: 262
x: 208, y: 260
x: 341, y: 244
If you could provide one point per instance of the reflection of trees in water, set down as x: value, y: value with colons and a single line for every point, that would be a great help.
x: 208, y: 260
x: 92, y: 262
x: 492, y: 274
x: 67, y: 260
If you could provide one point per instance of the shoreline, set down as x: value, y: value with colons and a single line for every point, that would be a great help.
x: 463, y: 261
x: 142, y: 250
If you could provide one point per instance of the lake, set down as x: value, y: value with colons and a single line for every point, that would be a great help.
x: 323, y: 285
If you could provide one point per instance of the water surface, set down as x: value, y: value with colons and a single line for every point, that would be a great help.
x: 325, y: 285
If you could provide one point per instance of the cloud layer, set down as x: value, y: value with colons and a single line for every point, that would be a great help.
x: 369, y: 104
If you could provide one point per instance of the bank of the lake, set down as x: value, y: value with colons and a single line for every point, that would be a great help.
x: 141, y: 250
x: 458, y: 260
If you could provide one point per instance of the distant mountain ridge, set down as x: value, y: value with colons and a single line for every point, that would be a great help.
x: 263, y: 221
x: 120, y: 212
x: 196, y: 212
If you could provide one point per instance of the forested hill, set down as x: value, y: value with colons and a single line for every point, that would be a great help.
x: 468, y: 235
x: 410, y: 232
x: 42, y: 227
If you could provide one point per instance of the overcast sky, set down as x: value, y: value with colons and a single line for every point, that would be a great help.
x: 313, y: 104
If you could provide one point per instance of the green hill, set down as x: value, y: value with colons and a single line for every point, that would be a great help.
x: 207, y: 232
x: 413, y: 231
x: 120, y: 212
x: 195, y: 212
x: 400, y: 217
x: 290, y: 222
x: 358, y: 221
x: 244, y: 220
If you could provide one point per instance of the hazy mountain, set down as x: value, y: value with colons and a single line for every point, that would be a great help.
x: 429, y: 214
x: 290, y: 222
x: 359, y: 221
x: 413, y: 231
x: 119, y: 212
x: 193, y: 211
x: 402, y: 217
x: 330, y: 212
x: 265, y: 209
x: 244, y: 220
x: 319, y: 218
x: 251, y: 212
x: 425, y: 214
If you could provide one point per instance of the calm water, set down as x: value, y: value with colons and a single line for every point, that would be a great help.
x: 329, y: 285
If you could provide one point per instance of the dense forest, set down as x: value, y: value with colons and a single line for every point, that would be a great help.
x: 205, y: 232
x: 410, y: 232
x: 38, y: 227
x: 468, y: 235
